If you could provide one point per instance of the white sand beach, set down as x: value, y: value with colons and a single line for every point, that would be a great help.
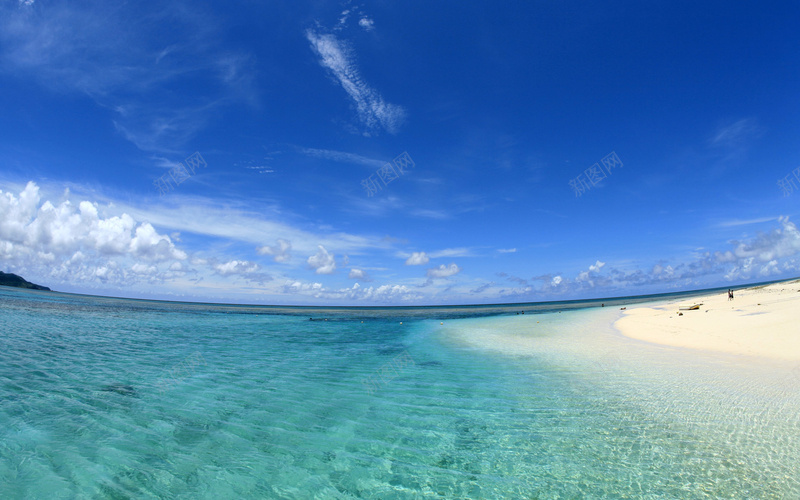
x: 760, y: 321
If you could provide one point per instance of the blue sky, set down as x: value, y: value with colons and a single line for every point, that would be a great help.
x: 493, y: 112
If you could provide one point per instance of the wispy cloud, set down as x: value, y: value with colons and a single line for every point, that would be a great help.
x: 736, y: 133
x: 451, y: 252
x: 431, y: 214
x: 420, y: 258
x: 342, y: 157
x: 373, y: 112
x: 734, y: 223
x: 113, y: 53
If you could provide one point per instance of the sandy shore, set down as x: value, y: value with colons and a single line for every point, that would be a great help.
x: 761, y: 321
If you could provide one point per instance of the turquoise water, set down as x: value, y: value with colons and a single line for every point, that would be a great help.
x: 110, y: 398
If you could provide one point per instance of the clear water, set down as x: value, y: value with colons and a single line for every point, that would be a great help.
x: 109, y: 398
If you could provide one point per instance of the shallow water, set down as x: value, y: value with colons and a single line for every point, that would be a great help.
x: 107, y: 398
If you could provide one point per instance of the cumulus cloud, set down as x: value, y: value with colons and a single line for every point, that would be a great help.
x: 280, y: 252
x: 417, y: 259
x: 358, y: 274
x: 372, y: 110
x: 779, y: 243
x: 444, y: 271
x: 322, y: 262
x: 594, y: 268
x: 76, y: 243
x: 385, y: 293
x: 249, y: 271
x: 140, y: 268
x: 764, y: 256
x: 66, y: 230
x: 237, y: 267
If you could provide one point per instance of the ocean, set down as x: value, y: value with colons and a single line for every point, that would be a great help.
x: 118, y: 398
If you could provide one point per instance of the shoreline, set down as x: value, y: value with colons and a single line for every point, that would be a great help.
x: 761, y: 321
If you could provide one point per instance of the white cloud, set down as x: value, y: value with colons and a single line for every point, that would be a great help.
x: 140, y: 268
x: 596, y: 266
x: 64, y: 230
x: 760, y: 256
x: 323, y: 262
x: 767, y: 255
x: 778, y: 243
x: 93, y: 49
x: 366, y: 23
x: 240, y: 267
x: 300, y: 287
x: 769, y: 269
x: 149, y: 244
x: 421, y: 258
x: 507, y: 250
x: 210, y: 217
x: 431, y: 214
x: 417, y: 259
x: 358, y: 274
x: 343, y: 16
x: 733, y: 223
x: 586, y: 275
x: 246, y: 269
x: 451, y: 252
x: 661, y: 271
x: 444, y: 271
x: 75, y: 243
x: 342, y: 157
x: 735, y: 132
x: 389, y: 293
x: 280, y: 252
x: 372, y: 110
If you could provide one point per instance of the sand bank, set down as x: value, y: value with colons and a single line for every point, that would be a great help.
x: 760, y: 321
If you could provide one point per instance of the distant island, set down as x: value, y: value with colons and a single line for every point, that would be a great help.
x: 8, y: 279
